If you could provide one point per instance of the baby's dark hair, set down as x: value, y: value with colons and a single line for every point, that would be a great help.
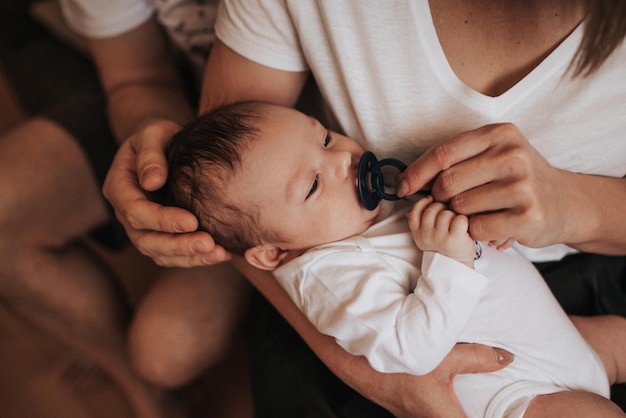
x: 202, y: 157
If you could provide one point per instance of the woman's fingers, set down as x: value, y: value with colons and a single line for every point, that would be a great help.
x: 443, y: 156
x: 494, y: 176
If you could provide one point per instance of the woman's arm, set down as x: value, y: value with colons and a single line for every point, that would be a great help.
x: 493, y: 175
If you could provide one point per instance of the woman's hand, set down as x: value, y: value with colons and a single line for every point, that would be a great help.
x: 432, y: 395
x: 166, y: 234
x: 495, y: 177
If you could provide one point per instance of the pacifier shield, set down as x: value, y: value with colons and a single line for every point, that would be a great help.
x: 371, y: 181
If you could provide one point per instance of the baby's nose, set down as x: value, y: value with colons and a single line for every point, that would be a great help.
x: 344, y: 164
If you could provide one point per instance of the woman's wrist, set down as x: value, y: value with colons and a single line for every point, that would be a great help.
x: 592, y: 215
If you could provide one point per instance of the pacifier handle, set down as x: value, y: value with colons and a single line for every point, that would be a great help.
x: 372, y: 192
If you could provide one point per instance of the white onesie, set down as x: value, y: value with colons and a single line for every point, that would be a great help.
x: 369, y: 294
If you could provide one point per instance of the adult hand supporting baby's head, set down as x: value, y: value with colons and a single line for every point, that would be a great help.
x: 166, y: 234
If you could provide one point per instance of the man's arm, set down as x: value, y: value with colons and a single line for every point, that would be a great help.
x: 146, y: 106
x: 140, y: 79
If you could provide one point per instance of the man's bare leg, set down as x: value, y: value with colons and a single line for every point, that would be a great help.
x: 188, y: 322
x: 50, y: 199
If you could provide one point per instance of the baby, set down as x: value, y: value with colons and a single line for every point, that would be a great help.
x: 274, y: 185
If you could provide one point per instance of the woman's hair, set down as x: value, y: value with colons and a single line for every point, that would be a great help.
x: 202, y: 158
x: 605, y: 28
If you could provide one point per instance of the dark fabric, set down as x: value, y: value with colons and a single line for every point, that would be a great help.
x: 588, y: 284
x: 290, y: 381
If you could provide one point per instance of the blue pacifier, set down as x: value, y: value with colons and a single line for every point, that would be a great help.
x: 372, y: 188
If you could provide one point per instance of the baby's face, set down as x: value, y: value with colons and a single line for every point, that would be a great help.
x: 302, y: 179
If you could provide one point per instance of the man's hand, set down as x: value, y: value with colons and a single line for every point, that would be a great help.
x: 166, y: 234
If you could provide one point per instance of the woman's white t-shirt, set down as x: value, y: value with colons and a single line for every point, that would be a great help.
x: 385, y: 78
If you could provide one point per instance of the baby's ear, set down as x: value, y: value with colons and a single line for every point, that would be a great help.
x: 265, y: 256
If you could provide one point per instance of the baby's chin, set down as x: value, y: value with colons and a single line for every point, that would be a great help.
x: 373, y: 215
x: 368, y: 221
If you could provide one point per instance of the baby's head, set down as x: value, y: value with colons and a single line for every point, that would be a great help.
x: 266, y: 181
x: 203, y: 158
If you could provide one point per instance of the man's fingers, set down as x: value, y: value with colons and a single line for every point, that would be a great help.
x: 180, y: 250
x: 147, y: 215
x: 149, y: 146
x: 159, y: 244
x: 507, y: 224
x: 218, y: 256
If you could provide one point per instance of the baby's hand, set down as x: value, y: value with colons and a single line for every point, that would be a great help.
x: 502, y: 244
x: 436, y: 228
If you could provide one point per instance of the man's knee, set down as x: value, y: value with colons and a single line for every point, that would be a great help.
x: 169, y: 353
x: 187, y: 323
x: 49, y: 197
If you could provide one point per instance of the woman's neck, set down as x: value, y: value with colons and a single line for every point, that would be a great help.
x: 492, y: 45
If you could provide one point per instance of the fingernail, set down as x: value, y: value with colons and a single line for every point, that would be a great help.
x: 150, y: 171
x: 182, y: 226
x: 215, y: 256
x: 504, y: 357
x: 403, y: 188
x: 197, y: 248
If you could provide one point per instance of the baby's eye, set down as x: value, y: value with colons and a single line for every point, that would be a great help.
x: 313, y: 187
x: 327, y: 139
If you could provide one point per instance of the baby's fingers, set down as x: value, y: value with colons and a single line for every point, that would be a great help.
x: 416, y: 212
x: 459, y: 225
